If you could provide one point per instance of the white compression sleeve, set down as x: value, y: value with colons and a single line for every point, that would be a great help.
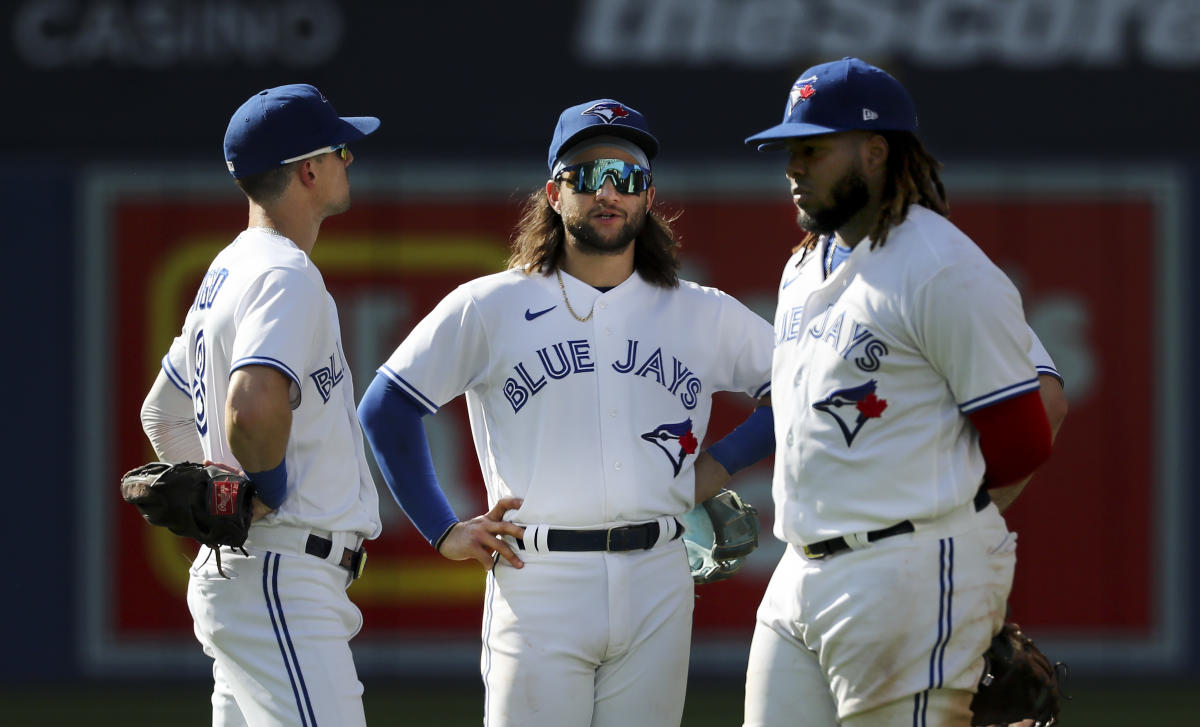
x: 169, y: 422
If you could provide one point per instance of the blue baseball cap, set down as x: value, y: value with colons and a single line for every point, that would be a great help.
x: 841, y: 96
x: 283, y: 123
x: 603, y: 117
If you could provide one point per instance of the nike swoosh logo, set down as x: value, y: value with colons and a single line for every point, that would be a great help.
x: 782, y: 286
x: 530, y: 316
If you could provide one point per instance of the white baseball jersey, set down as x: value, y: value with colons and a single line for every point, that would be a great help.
x: 591, y: 423
x: 263, y: 302
x: 874, y: 368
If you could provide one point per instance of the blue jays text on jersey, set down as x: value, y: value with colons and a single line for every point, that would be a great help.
x: 847, y: 337
x: 565, y: 358
x: 327, y: 377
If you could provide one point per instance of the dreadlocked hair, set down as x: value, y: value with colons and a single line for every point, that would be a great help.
x: 912, y: 176
x: 540, y: 238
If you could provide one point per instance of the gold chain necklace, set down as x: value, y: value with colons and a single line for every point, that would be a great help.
x: 571, y: 310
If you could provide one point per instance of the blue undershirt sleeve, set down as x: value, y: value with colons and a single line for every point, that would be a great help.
x: 391, y: 421
x: 751, y: 441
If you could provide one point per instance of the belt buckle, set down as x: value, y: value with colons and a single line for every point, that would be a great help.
x: 812, y: 555
x: 358, y: 563
x: 624, y: 530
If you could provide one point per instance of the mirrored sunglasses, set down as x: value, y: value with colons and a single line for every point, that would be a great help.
x: 339, y: 149
x: 589, y: 176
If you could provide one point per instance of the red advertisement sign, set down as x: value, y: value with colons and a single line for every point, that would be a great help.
x: 389, y: 260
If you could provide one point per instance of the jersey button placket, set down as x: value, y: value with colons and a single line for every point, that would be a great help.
x: 609, y: 387
x: 791, y: 438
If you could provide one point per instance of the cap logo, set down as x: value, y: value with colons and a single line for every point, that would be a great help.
x: 869, y: 115
x: 802, y: 90
x: 607, y: 111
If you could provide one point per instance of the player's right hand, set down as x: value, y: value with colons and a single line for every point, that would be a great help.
x: 478, y: 538
x: 259, y: 509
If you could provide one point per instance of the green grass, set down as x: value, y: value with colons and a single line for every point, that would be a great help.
x: 400, y: 703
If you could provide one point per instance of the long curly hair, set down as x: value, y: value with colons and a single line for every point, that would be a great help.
x: 540, y: 238
x: 911, y: 176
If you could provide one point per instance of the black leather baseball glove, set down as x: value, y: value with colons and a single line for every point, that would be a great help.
x: 1018, y: 683
x: 203, y: 502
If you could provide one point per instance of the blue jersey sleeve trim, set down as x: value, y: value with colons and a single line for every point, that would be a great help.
x: 412, y: 391
x: 173, y: 375
x: 999, y: 395
x: 265, y: 361
x: 1051, y: 371
x: 391, y: 421
x: 763, y: 390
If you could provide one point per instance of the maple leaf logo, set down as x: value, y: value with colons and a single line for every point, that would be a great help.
x: 802, y: 90
x: 871, y: 406
x: 688, y: 443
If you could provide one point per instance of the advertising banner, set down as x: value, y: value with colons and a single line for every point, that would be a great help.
x: 400, y: 249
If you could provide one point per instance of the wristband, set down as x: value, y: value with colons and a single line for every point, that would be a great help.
x: 437, y: 545
x: 271, y: 485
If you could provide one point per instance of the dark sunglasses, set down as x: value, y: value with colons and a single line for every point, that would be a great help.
x: 589, y: 176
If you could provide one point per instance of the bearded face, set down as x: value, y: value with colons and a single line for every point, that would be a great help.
x: 604, y: 231
x: 846, y: 198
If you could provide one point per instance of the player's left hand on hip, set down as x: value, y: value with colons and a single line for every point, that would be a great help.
x: 479, y: 538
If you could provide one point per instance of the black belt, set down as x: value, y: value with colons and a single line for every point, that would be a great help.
x: 619, y: 539
x: 826, y: 548
x: 354, y: 561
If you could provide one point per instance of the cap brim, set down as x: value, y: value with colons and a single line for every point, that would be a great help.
x: 776, y: 137
x: 355, y: 127
x: 647, y: 142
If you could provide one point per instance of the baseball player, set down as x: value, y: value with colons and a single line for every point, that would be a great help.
x: 257, y: 380
x: 589, y: 388
x: 901, y: 380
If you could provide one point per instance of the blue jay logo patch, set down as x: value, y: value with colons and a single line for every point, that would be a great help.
x: 866, y: 405
x: 802, y: 90
x: 606, y: 111
x: 675, y: 440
